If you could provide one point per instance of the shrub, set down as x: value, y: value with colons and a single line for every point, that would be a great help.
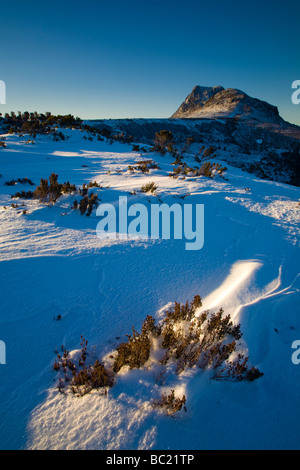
x: 42, y: 191
x: 19, y: 180
x: 188, y: 340
x: 122, y: 137
x: 87, y: 204
x: 164, y: 141
x: 94, y: 184
x: 83, y: 204
x: 91, y: 377
x: 82, y: 378
x: 149, y: 187
x: 209, y: 152
x: 68, y: 188
x: 144, y: 166
x: 23, y: 195
x: 136, y: 351
x: 52, y: 190
x: 170, y: 403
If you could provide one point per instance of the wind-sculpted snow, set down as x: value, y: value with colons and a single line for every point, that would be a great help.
x: 53, y: 264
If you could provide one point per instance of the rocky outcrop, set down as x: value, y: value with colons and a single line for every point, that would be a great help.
x: 216, y: 102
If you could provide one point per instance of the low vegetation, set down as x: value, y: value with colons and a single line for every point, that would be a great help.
x: 149, y: 187
x: 144, y: 166
x: 207, y: 169
x: 87, y: 204
x: 170, y: 403
x: 81, y: 378
x: 188, y: 340
x: 52, y: 190
x: 164, y: 142
x: 20, y: 181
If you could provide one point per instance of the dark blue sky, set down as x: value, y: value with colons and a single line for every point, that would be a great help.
x: 128, y: 58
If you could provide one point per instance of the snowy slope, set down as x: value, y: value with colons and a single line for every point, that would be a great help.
x: 53, y: 264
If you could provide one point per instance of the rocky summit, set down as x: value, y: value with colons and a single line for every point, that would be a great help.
x: 217, y: 102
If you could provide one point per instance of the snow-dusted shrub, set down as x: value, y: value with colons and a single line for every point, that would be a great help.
x: 94, y: 184
x: 149, y: 187
x: 91, y: 377
x: 192, y: 340
x: 49, y: 192
x: 207, y: 341
x: 87, y: 204
x: 19, y: 180
x: 209, y: 169
x: 144, y: 166
x: 164, y: 142
x: 82, y: 378
x: 170, y: 403
x: 52, y: 190
x: 23, y: 195
x: 136, y: 351
x: 186, y: 339
x: 67, y: 187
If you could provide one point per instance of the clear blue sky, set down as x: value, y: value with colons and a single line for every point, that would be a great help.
x: 130, y: 58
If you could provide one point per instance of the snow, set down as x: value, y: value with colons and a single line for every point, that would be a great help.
x: 53, y: 263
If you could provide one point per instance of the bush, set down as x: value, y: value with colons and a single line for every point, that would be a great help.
x: 87, y: 204
x: 82, y: 378
x: 68, y: 188
x: 149, y: 187
x: 209, y: 152
x: 19, y: 180
x: 136, y: 351
x: 23, y: 195
x: 91, y: 377
x: 207, y: 169
x: 187, y: 340
x: 52, y: 190
x: 42, y: 191
x: 164, y: 142
x: 190, y: 340
x: 170, y: 403
x: 94, y: 184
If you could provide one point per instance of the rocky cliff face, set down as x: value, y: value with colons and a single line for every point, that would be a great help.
x: 196, y: 100
x: 216, y: 102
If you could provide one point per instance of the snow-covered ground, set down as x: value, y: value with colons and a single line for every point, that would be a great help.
x: 52, y: 263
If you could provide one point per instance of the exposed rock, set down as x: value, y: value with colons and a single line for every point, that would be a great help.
x: 216, y: 102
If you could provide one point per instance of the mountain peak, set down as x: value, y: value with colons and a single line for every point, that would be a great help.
x: 216, y: 102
